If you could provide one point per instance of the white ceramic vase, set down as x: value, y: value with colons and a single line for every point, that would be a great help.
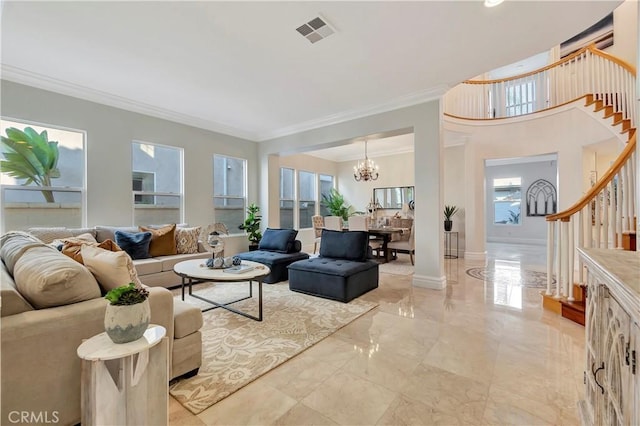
x: 126, y: 323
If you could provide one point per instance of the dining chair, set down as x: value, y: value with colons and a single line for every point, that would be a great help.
x: 318, y: 224
x: 333, y: 223
x: 361, y: 223
x: 404, y: 245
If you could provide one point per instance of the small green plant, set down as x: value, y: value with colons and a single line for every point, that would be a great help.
x: 30, y: 156
x: 334, y: 202
x: 514, y: 218
x: 252, y: 224
x: 449, y: 211
x: 127, y: 295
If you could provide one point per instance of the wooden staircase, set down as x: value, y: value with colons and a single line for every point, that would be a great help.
x: 573, y: 310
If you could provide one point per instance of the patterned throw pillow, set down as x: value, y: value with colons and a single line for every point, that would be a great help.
x: 187, y: 240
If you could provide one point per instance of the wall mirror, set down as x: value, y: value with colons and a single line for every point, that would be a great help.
x: 393, y: 197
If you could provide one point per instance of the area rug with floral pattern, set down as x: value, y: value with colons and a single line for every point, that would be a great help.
x: 237, y: 350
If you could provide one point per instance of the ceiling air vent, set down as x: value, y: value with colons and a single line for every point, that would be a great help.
x: 315, y: 30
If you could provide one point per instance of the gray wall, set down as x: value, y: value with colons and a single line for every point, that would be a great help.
x: 110, y: 132
x: 532, y: 229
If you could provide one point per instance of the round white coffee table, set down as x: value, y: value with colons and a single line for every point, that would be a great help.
x: 196, y: 270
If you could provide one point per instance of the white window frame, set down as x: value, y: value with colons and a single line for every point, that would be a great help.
x: 299, y: 200
x: 154, y: 193
x: 82, y: 189
x: 245, y: 190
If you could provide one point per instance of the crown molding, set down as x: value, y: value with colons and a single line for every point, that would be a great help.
x: 21, y: 76
x: 400, y: 102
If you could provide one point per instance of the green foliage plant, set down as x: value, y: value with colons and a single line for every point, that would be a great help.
x: 334, y: 202
x: 127, y: 295
x: 32, y: 157
x: 252, y: 224
x: 514, y: 218
x: 449, y: 211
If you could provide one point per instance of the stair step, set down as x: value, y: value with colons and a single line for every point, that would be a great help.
x: 608, y: 111
x: 575, y: 311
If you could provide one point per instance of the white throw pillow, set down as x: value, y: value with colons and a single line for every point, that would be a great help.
x: 112, y: 269
x: 47, y: 278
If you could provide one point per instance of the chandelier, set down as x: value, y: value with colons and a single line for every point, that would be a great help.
x: 365, y: 170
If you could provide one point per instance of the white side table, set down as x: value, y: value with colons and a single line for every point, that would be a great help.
x: 125, y: 384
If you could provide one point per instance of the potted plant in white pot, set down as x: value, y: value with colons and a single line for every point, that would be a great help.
x: 252, y: 226
x: 449, y: 211
x: 128, y: 313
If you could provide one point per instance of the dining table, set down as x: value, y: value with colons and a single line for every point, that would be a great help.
x: 386, y: 233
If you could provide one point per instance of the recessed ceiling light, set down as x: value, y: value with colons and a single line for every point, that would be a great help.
x: 491, y: 3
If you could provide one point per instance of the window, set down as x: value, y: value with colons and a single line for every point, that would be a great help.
x: 520, y: 99
x: 143, y: 181
x: 326, y: 184
x: 156, y: 183
x: 287, y: 185
x: 306, y: 199
x: 229, y: 191
x: 51, y: 193
x: 506, y: 200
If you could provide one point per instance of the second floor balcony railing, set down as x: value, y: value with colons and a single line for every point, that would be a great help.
x: 588, y: 71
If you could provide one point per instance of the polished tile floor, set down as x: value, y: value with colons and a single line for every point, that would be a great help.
x: 476, y: 353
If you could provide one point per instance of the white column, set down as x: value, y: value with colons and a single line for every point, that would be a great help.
x: 550, y: 246
x: 429, y: 232
x: 474, y: 204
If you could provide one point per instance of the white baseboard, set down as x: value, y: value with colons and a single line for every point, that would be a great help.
x: 516, y: 240
x: 434, y: 283
x: 475, y: 255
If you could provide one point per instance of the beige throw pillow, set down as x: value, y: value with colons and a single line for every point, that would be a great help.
x: 112, y: 269
x: 47, y: 278
x: 187, y: 240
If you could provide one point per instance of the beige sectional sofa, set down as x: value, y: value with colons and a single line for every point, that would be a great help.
x: 154, y: 271
x: 40, y: 369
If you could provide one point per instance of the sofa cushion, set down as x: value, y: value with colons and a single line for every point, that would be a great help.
x: 187, y: 240
x: 111, y: 269
x: 80, y: 231
x: 48, y: 234
x: 187, y: 319
x: 109, y: 232
x: 163, y: 240
x: 47, y: 278
x: 351, y: 245
x: 280, y: 240
x: 12, y: 301
x: 168, y: 262
x: 148, y: 266
x: 14, y: 244
x: 136, y: 244
x: 72, y: 248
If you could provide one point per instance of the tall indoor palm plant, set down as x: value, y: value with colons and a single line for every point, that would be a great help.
x: 334, y: 202
x: 30, y: 156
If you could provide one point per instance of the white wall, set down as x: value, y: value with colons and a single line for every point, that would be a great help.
x: 110, y: 132
x: 455, y: 177
x: 425, y: 121
x: 531, y: 229
x: 625, y: 32
x: 395, y: 170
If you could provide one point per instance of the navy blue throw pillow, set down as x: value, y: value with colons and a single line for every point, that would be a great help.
x: 136, y: 244
x: 280, y: 240
x: 350, y: 245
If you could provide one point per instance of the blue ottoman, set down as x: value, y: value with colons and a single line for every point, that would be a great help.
x: 342, y: 271
x: 277, y: 249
